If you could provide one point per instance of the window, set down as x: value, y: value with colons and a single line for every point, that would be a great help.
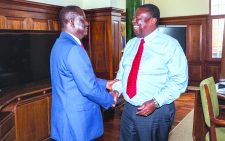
x: 217, y: 20
x: 217, y: 37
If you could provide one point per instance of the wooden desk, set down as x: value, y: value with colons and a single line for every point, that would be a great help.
x: 25, y: 114
x: 199, y: 126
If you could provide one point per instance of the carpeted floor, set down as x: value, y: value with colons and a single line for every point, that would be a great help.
x: 183, y: 131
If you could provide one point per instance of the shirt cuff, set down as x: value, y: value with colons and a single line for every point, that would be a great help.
x: 117, y: 86
x: 156, y: 103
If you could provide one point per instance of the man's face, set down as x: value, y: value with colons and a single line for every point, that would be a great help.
x: 81, y: 25
x: 141, y: 23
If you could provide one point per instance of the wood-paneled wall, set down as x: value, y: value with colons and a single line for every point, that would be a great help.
x: 104, y: 40
x: 200, y: 64
x: 24, y: 15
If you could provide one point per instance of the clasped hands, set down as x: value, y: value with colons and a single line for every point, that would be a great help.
x: 114, y: 93
x: 144, y: 110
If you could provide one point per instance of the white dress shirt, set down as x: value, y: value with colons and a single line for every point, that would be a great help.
x: 163, y: 71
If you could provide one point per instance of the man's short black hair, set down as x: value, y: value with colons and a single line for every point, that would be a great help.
x: 64, y: 11
x: 153, y: 11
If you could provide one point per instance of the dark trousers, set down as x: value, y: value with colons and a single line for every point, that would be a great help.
x: 155, y: 127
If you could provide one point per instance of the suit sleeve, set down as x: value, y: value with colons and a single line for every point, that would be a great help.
x: 102, y: 82
x: 83, y: 75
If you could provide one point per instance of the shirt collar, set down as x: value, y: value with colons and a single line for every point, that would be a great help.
x: 152, y: 35
x: 75, y: 38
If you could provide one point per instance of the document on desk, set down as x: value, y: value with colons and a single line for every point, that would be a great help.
x: 220, y: 88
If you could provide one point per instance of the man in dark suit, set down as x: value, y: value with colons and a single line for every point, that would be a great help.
x: 76, y: 92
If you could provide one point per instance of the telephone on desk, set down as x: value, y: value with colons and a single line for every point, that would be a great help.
x: 220, y: 87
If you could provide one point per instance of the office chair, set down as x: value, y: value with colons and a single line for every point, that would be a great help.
x: 211, y: 110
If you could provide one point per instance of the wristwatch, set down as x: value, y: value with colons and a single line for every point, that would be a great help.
x: 156, y: 103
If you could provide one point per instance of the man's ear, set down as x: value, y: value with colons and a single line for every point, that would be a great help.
x: 71, y: 23
x: 153, y: 21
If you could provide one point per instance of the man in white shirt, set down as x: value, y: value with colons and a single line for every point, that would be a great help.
x: 162, y: 75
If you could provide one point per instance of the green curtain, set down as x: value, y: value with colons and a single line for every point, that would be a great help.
x: 131, y: 6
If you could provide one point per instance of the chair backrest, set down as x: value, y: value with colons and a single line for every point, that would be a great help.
x: 210, y: 84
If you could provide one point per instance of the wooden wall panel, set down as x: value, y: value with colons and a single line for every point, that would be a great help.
x: 55, y: 25
x: 99, y: 50
x: 32, y: 117
x: 28, y: 24
x: 194, y: 52
x: 15, y: 23
x: 104, y: 40
x: 116, y: 46
x: 25, y: 15
x: 3, y: 22
x: 41, y: 25
x: 212, y: 69
x: 195, y: 72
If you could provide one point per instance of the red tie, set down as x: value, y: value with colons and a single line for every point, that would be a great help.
x: 132, y: 78
x: 82, y: 45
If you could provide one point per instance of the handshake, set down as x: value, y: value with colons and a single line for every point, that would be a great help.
x: 114, y: 93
